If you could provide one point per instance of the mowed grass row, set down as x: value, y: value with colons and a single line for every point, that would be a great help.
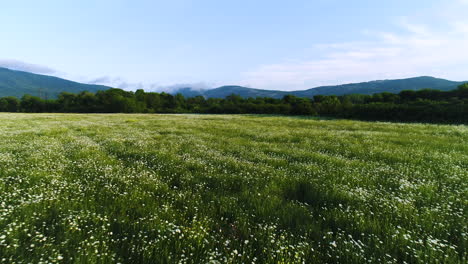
x: 230, y: 189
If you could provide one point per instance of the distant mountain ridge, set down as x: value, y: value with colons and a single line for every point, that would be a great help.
x: 392, y: 86
x: 18, y: 83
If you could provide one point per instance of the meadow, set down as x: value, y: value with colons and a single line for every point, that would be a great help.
x: 121, y: 188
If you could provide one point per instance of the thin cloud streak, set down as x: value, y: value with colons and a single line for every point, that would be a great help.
x: 27, y: 67
x: 119, y: 82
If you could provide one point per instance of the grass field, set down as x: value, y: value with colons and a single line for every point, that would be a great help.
x: 230, y: 189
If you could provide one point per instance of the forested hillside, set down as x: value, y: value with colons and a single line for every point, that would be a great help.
x: 18, y: 83
x: 392, y: 86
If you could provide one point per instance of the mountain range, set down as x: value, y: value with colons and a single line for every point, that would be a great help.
x: 18, y: 83
x: 392, y: 86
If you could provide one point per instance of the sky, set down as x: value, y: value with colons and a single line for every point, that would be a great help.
x: 268, y: 44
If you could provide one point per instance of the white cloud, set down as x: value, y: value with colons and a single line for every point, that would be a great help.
x: 416, y: 49
x: 27, y: 67
x: 119, y: 82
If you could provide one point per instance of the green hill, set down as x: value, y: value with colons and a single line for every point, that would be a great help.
x: 245, y: 92
x: 392, y: 86
x: 18, y: 83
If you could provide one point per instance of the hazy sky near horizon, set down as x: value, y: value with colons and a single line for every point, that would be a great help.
x: 268, y: 44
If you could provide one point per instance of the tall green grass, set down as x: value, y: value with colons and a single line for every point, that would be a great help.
x: 230, y: 189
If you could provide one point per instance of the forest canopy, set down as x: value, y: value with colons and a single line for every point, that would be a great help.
x: 413, y: 106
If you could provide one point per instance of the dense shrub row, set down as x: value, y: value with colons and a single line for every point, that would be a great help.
x: 424, y: 105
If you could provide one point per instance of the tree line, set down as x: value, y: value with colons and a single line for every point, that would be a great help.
x: 410, y: 106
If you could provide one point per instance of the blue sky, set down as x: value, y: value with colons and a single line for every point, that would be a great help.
x: 287, y: 45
